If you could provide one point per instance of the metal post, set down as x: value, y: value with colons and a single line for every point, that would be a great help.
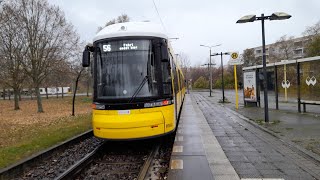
x: 210, y: 73
x: 265, y: 79
x: 285, y: 80
x: 258, y: 87
x: 235, y: 85
x: 298, y: 87
x: 276, y: 86
x: 222, y: 85
x: 244, y: 101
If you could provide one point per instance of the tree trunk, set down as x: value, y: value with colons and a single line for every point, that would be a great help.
x: 88, y: 85
x: 19, y: 94
x: 47, y: 92
x: 75, y: 92
x: 39, y: 101
x: 30, y: 91
x: 57, y: 91
x: 9, y: 94
x: 4, y: 93
x: 62, y: 92
x: 16, y: 98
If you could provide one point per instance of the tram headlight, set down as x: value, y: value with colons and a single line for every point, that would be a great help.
x: 157, y: 104
x: 148, y: 105
x: 98, y: 106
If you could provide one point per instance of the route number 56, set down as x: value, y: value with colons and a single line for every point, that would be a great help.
x: 106, y: 48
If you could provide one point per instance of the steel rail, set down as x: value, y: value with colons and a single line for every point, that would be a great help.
x: 144, y: 170
x: 18, y: 168
x: 81, y: 164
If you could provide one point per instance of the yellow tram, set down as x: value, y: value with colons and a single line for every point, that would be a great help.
x: 139, y: 87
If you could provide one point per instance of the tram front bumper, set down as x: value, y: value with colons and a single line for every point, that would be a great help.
x: 112, y: 125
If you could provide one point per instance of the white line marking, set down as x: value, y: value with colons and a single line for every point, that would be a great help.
x: 177, y: 149
x: 177, y: 164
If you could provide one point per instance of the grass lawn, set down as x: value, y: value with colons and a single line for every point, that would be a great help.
x: 25, y: 132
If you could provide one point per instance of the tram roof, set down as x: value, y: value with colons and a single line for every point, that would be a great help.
x: 131, y: 29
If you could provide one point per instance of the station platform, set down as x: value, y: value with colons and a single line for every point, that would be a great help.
x: 196, y: 152
x: 214, y: 141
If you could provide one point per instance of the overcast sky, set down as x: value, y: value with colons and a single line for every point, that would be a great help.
x: 196, y: 22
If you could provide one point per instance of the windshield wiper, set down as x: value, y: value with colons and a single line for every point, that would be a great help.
x: 145, y: 79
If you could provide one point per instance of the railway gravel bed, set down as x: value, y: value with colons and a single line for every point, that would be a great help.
x: 126, y: 160
x: 114, y: 160
x: 161, y: 163
x: 119, y: 160
x: 56, y: 160
x: 61, y: 161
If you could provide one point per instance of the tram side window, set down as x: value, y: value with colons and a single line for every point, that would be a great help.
x: 183, y: 81
x: 176, y: 88
x: 166, y: 78
x: 151, y: 69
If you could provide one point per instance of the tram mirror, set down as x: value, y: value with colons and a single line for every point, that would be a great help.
x: 86, y: 58
x: 164, y: 54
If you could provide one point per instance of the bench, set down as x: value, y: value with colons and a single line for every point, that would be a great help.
x: 304, y: 102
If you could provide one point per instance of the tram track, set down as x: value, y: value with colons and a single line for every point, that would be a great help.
x: 86, y: 157
x: 146, y: 166
x: 51, y: 162
x: 120, y: 160
x: 137, y: 160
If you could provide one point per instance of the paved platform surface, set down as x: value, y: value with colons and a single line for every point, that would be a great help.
x: 196, y: 152
x: 253, y: 152
x: 301, y: 129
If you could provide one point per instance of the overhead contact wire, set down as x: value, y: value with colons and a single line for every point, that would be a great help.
x: 155, y: 6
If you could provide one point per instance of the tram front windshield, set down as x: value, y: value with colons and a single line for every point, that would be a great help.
x: 125, y: 68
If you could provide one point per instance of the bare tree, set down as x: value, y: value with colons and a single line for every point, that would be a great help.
x: 123, y: 18
x: 313, y: 46
x: 120, y: 19
x: 185, y: 64
x: 49, y: 38
x: 87, y: 79
x: 312, y: 30
x: 12, y: 52
x: 198, y: 71
x: 76, y: 72
x: 249, y: 58
x: 61, y: 76
x: 285, y: 47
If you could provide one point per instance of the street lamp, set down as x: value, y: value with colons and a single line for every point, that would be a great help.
x: 222, y: 82
x: 210, y: 64
x: 251, y: 18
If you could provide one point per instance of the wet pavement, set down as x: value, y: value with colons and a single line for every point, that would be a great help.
x: 291, y: 105
x: 256, y: 151
x: 196, y: 152
x: 303, y: 129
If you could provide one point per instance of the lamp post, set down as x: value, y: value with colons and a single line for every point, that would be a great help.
x: 222, y: 82
x: 210, y: 64
x: 251, y: 18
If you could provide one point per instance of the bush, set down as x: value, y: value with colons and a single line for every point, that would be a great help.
x: 201, y: 82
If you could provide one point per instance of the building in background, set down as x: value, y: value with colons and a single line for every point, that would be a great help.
x: 284, y: 49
